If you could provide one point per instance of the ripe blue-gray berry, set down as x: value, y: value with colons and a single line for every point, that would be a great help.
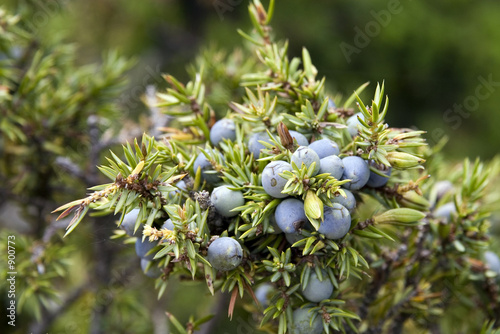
x: 299, y: 137
x: 337, y: 222
x: 317, y: 290
x: 153, y: 271
x: 376, y: 180
x: 293, y: 237
x: 331, y: 104
x: 168, y: 224
x: 352, y: 124
x: 274, y: 226
x: 441, y: 188
x: 181, y: 186
x: 271, y: 181
x: 128, y: 223
x: 207, y: 170
x: 222, y: 129
x: 349, y: 202
x: 290, y: 215
x: 492, y: 261
x: 356, y: 169
x: 253, y: 143
x: 305, y: 155
x: 263, y: 293
x: 324, y: 148
x: 302, y: 322
x: 332, y: 165
x: 142, y: 248
x: 225, y: 254
x: 445, y: 211
x: 224, y: 200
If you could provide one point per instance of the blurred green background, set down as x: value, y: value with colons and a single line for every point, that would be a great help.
x: 433, y: 55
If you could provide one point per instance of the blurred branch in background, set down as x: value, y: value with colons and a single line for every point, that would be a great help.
x: 57, y: 118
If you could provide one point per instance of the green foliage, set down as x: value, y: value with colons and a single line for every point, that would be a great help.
x: 42, y: 94
x: 54, y: 114
x: 39, y: 268
x: 383, y: 273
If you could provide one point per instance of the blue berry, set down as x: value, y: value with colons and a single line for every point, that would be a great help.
x: 225, y: 254
x: 305, y: 155
x: 271, y: 181
x: 290, y: 215
x: 317, y: 290
x: 299, y: 137
x: 207, y: 170
x: 181, y: 186
x: 356, y: 169
x: 492, y: 261
x: 331, y: 104
x: 441, y: 188
x: 349, y: 202
x: 253, y: 143
x: 222, y: 129
x: 332, y: 165
x: 224, y: 200
x: 128, y: 223
x: 14, y: 52
x: 325, y: 148
x: 142, y: 248
x: 275, y: 228
x: 353, y: 123
x: 337, y: 222
x: 445, y: 211
x: 263, y: 293
x: 376, y: 180
x: 302, y: 322
x: 153, y: 271
x: 293, y: 237
x: 169, y: 225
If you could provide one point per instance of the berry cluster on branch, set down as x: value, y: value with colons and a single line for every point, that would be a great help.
x: 325, y: 218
